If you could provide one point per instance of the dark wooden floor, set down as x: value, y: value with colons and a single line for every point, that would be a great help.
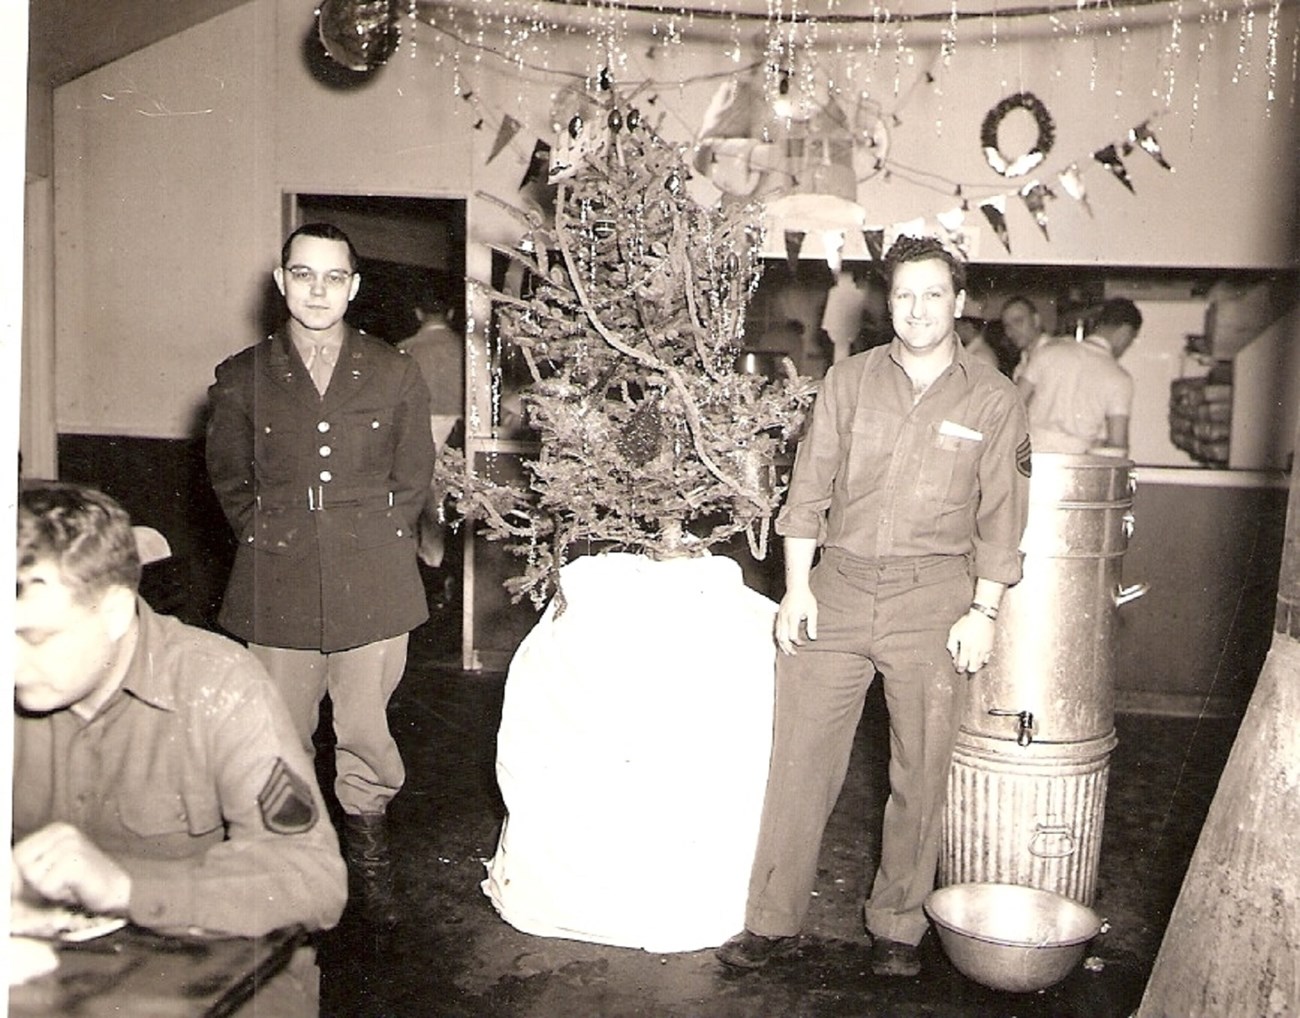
x: 454, y: 956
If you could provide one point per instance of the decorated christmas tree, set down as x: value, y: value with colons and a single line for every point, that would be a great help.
x: 651, y: 437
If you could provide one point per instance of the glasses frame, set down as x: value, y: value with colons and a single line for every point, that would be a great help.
x: 334, y: 279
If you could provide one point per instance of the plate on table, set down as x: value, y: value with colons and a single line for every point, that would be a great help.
x: 58, y: 922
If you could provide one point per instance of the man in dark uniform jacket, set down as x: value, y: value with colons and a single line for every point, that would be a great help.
x: 319, y: 450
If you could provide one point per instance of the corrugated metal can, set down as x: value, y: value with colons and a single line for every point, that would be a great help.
x: 1029, y: 815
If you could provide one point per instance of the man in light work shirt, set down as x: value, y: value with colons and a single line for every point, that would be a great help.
x: 156, y: 773
x: 1023, y: 327
x: 913, y: 480
x: 1079, y: 399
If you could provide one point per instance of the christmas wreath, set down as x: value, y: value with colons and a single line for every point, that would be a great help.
x: 1042, y: 145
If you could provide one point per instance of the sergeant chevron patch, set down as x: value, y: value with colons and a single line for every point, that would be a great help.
x: 286, y: 802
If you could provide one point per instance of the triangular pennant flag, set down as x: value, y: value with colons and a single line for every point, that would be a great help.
x: 953, y: 224
x: 1035, y: 196
x: 1110, y: 159
x: 508, y: 129
x: 1147, y: 142
x: 995, y: 211
x: 951, y: 220
x: 833, y: 243
x: 1072, y: 184
x: 537, y: 164
x: 793, y: 245
x: 875, y: 241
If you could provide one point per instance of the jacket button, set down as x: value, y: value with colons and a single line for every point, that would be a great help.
x: 374, y: 425
x: 399, y: 531
x: 326, y: 476
x: 325, y: 450
x: 323, y: 427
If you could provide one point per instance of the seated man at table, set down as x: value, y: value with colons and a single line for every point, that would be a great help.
x: 156, y: 773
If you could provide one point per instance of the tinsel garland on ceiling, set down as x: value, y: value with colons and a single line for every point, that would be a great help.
x: 363, y: 35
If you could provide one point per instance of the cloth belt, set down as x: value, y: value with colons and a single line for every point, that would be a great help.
x: 322, y: 496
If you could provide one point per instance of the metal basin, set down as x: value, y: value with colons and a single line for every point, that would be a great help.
x: 1009, y: 937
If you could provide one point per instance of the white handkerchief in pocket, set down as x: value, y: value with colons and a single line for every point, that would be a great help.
x: 960, y: 431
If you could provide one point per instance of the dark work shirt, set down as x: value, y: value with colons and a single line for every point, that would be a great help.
x: 880, y: 476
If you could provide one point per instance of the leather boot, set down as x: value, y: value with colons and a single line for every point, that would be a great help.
x: 370, y: 869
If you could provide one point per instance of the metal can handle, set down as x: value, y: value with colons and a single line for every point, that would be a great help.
x: 1123, y: 595
x: 1043, y: 831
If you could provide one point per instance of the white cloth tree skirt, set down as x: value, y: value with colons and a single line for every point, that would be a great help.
x: 633, y: 755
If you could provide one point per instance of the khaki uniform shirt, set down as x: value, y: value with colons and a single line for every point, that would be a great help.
x: 192, y: 779
x: 879, y: 475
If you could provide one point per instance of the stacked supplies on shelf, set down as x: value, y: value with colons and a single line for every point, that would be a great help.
x: 1200, y: 415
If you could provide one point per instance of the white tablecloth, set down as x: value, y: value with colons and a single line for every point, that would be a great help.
x: 633, y: 754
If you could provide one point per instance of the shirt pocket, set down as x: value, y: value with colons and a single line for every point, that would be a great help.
x: 867, y: 451
x: 275, y: 453
x: 949, y: 467
x: 279, y: 531
x: 170, y: 813
x: 374, y: 530
x: 368, y: 439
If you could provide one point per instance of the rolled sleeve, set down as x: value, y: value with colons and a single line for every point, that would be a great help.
x: 1004, y: 493
x: 813, y: 479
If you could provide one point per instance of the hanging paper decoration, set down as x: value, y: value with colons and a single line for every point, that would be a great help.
x: 833, y: 242
x: 875, y: 241
x: 1035, y: 196
x: 793, y: 245
x: 359, y: 34
x: 1110, y: 159
x: 910, y: 228
x: 953, y: 223
x: 1071, y: 181
x: 537, y: 164
x: 995, y: 211
x: 508, y: 129
x: 1022, y: 164
x: 1145, y: 140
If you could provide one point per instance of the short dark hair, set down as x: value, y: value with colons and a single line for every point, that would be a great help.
x: 86, y: 533
x: 919, y: 249
x: 327, y: 231
x: 1018, y: 298
x: 1119, y: 311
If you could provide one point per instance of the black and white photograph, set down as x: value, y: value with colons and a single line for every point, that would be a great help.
x: 653, y: 508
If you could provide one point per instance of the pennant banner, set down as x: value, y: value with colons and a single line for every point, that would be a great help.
x: 1145, y: 140
x: 995, y: 212
x: 537, y: 164
x: 875, y: 241
x: 1035, y: 196
x: 505, y: 133
x: 793, y: 245
x: 1110, y: 159
x: 1071, y: 181
x: 833, y: 242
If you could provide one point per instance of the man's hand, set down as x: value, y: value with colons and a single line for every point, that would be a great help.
x: 62, y: 864
x: 970, y: 642
x: 798, y: 607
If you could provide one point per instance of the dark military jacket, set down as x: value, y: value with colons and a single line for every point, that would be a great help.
x: 323, y: 493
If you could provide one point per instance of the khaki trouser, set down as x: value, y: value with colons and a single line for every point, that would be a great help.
x: 891, y: 615
x: 360, y: 682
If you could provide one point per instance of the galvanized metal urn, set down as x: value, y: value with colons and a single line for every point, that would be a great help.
x: 1027, y: 789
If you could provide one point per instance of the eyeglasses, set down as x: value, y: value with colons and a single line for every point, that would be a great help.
x: 334, y: 279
